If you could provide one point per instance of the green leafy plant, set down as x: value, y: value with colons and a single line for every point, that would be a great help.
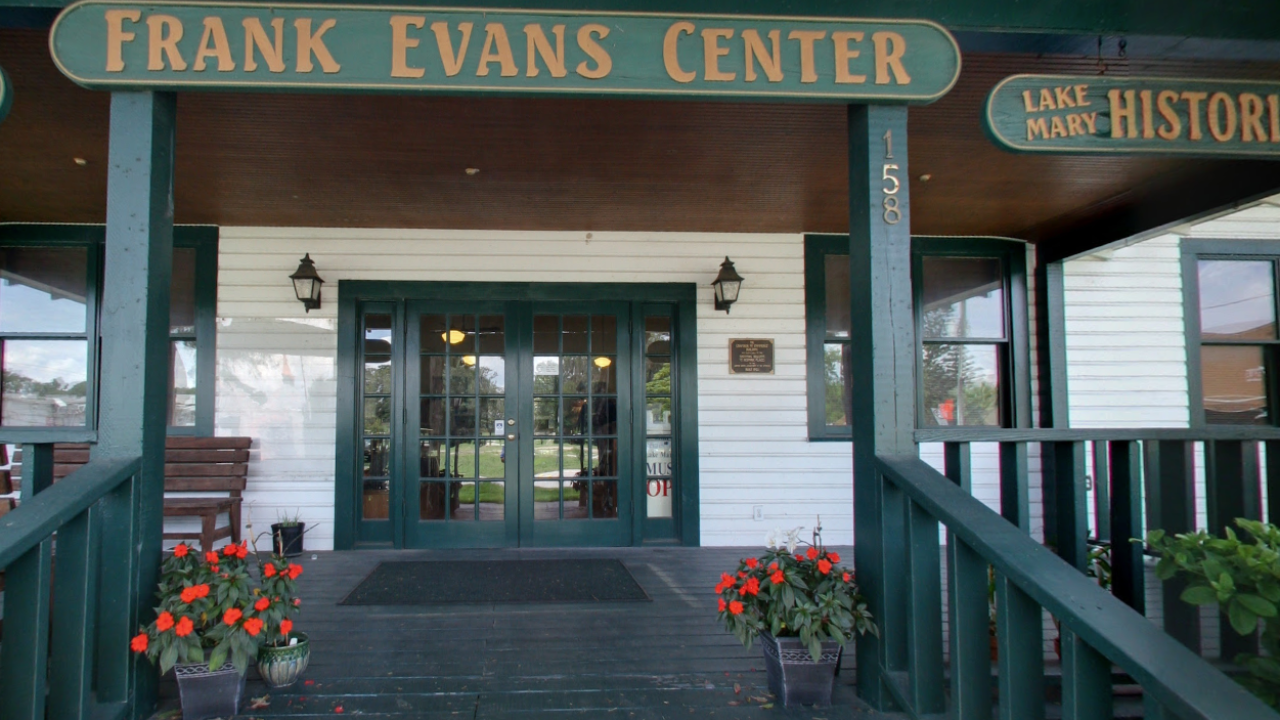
x: 794, y: 594
x: 284, y: 519
x: 1242, y: 578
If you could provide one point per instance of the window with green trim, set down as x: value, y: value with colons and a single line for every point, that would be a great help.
x: 1232, y: 343
x: 972, y: 359
x: 50, y: 290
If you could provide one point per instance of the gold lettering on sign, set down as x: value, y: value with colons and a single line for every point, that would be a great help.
x: 309, y: 45
x: 1046, y: 100
x: 537, y: 41
x: 1091, y: 119
x: 671, y: 55
x: 256, y: 37
x: 1193, y: 112
x: 1172, y: 127
x: 117, y: 37
x: 1037, y: 126
x: 1222, y: 101
x: 1123, y: 113
x: 1273, y: 112
x: 1148, y: 128
x: 163, y: 34
x: 807, y: 38
x: 844, y: 54
x: 1081, y: 91
x: 1062, y: 97
x: 400, y: 44
x: 216, y: 33
x: 1251, y: 118
x: 712, y: 52
x: 1075, y: 125
x: 604, y: 63
x: 496, y: 47
x: 1026, y: 101
x: 770, y: 63
x: 890, y: 47
x: 452, y: 63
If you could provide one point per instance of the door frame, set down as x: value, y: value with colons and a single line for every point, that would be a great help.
x: 682, y: 297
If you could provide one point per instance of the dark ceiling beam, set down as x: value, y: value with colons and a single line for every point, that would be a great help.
x: 1156, y: 207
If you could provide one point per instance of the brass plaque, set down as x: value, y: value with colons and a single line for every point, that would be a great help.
x: 751, y: 356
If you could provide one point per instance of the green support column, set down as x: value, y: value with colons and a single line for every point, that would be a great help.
x: 883, y: 333
x: 135, y: 370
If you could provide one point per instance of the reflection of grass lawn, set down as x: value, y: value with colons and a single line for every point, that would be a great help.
x: 493, y: 493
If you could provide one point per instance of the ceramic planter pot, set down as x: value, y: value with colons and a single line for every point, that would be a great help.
x: 208, y: 694
x: 793, y: 675
x: 287, y: 539
x: 281, y: 666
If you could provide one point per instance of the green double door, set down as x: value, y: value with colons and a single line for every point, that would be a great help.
x: 498, y: 424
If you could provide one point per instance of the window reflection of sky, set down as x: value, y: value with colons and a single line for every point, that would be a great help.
x: 1236, y: 298
x: 28, y: 309
x: 979, y: 316
x: 46, y: 360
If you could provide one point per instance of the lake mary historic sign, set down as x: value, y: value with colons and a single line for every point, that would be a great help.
x: 336, y: 48
x: 1167, y: 116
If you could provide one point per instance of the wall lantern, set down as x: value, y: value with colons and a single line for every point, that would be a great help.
x: 727, y: 285
x: 306, y: 283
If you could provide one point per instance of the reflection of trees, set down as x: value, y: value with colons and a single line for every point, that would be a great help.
x: 658, y: 388
x: 836, y: 363
x: 19, y: 384
x: 951, y: 373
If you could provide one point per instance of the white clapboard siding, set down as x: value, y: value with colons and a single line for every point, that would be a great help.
x: 276, y: 363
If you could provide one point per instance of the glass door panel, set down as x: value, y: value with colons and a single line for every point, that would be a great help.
x: 374, y: 423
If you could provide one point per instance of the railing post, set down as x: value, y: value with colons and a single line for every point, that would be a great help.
x: 883, y: 369
x: 1273, y: 481
x: 924, y: 613
x: 1020, y: 638
x: 1171, y: 506
x: 959, y: 467
x: 1128, y: 573
x: 1015, y: 501
x: 1101, y: 491
x: 1233, y: 489
x: 1072, y: 519
x: 135, y: 356
x: 75, y: 587
x: 970, y: 617
x: 1086, y: 680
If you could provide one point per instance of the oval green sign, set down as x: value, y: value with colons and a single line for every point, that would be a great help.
x: 335, y: 48
x: 1165, y: 116
x: 6, y: 95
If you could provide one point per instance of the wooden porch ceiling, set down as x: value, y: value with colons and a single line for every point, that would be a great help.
x: 396, y: 161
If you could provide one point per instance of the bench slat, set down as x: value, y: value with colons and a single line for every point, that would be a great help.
x: 183, y: 442
x: 184, y: 506
x: 203, y: 484
x: 206, y: 470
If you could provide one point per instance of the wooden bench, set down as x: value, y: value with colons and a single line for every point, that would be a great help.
x: 191, y: 465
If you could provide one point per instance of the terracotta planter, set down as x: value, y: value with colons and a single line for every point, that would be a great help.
x: 281, y: 666
x: 207, y: 694
x: 793, y: 675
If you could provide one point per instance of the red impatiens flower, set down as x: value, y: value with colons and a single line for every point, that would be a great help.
x: 799, y: 557
x: 262, y: 604
x: 773, y: 567
x: 751, y: 563
x: 164, y: 622
x: 777, y: 577
x: 189, y: 595
x: 253, y: 626
x: 735, y: 607
x: 139, y: 643
x: 213, y: 568
x: 722, y: 605
x: 269, y: 570
x: 846, y: 577
x: 824, y: 567
x: 294, y: 571
x: 751, y: 587
x: 741, y: 574
x: 184, y: 627
x: 211, y: 557
x: 202, y: 590
x: 286, y: 626
x: 232, y: 615
x: 297, y: 602
x: 811, y: 553
x: 229, y: 551
x: 181, y: 550
x: 833, y: 557
x: 242, y: 551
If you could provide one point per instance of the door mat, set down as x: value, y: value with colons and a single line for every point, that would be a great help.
x: 496, y: 581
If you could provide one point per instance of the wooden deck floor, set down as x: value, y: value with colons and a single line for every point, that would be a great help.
x: 634, y: 660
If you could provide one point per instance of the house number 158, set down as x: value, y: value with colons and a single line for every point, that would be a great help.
x: 892, y: 214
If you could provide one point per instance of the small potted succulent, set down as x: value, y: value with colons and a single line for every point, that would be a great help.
x: 803, y: 605
x: 211, y: 621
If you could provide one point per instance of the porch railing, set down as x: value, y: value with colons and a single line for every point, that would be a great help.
x: 83, y: 605
x: 1097, y: 628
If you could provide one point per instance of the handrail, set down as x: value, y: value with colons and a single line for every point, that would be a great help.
x: 38, y: 518
x: 986, y: 434
x: 1181, y: 680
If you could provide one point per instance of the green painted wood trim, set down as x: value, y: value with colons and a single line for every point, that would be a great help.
x: 1066, y: 482
x: 1175, y: 676
x: 688, y: 512
x: 924, y: 614
x: 38, y: 473
x: 1128, y: 572
x: 970, y: 631
x: 75, y: 617
x: 346, y: 498
x: 1051, y: 344
x: 1171, y: 506
x: 1273, y: 480
x: 1086, y: 680
x: 6, y: 94
x: 1233, y: 489
x: 1015, y: 495
x: 24, y: 654
x: 884, y: 388
x: 1101, y: 490
x: 1020, y: 641
x: 816, y: 250
x: 959, y: 467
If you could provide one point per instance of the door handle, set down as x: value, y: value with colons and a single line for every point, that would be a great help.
x: 512, y: 436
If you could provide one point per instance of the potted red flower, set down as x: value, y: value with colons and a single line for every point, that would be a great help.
x: 210, y: 622
x: 284, y: 654
x: 804, y: 605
